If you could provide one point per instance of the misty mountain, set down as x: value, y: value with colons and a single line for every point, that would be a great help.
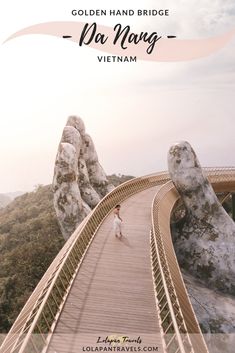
x: 4, y: 200
x: 14, y: 194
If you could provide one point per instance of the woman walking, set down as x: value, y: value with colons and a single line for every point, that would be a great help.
x: 117, y: 222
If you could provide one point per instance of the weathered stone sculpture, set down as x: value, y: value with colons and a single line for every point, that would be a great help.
x: 215, y: 312
x: 79, y: 181
x: 205, y: 242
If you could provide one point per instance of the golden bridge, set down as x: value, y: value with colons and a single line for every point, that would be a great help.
x: 101, y: 288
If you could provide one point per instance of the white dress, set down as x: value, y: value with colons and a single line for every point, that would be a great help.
x: 117, y: 224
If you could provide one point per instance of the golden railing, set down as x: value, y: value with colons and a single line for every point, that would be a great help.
x: 35, y: 324
x: 168, y: 282
x: 180, y: 328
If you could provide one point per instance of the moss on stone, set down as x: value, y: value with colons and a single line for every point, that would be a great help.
x: 205, y: 271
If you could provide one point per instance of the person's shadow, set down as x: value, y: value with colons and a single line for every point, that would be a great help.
x: 125, y: 241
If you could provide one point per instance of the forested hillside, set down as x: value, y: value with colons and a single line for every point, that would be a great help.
x: 30, y: 238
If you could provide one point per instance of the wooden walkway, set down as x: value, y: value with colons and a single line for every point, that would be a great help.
x: 112, y: 294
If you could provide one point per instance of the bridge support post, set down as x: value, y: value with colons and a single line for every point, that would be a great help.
x: 233, y: 206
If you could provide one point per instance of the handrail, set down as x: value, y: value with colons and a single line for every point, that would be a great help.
x: 41, y: 312
x: 165, y: 305
x: 175, y: 331
x: 181, y: 331
x: 43, y: 308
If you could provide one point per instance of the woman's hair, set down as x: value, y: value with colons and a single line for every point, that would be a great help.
x: 117, y: 206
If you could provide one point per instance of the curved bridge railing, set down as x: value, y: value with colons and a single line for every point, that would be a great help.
x: 34, y: 326
x: 180, y: 328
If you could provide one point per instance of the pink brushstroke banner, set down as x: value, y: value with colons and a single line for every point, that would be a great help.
x: 165, y: 49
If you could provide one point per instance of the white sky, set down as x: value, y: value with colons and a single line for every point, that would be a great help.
x: 133, y: 112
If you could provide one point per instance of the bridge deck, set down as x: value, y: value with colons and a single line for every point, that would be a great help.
x: 113, y: 292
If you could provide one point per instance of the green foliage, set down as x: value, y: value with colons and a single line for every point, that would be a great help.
x: 30, y: 238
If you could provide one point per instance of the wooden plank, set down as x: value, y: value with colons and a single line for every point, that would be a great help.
x: 113, y: 291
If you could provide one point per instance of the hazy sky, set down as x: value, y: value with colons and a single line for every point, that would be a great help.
x: 133, y: 112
